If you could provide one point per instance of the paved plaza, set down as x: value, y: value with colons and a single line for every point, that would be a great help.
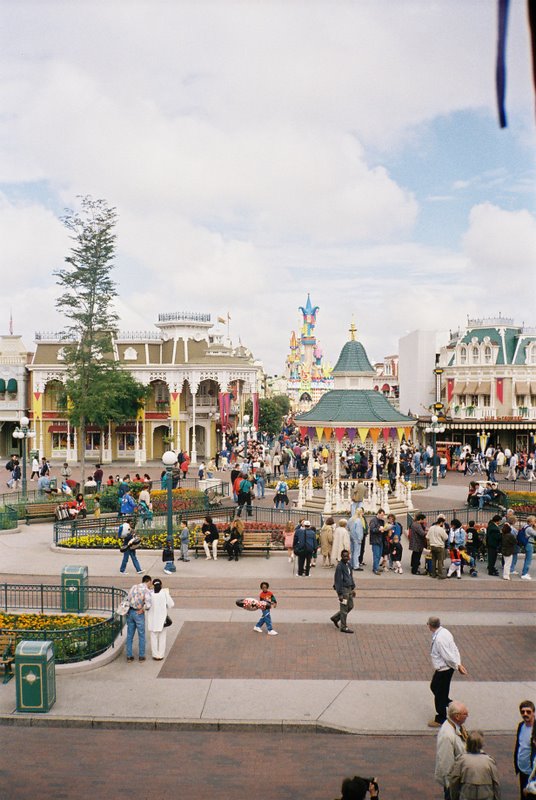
x: 230, y: 713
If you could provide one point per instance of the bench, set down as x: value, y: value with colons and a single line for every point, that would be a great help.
x: 39, y: 511
x: 7, y: 655
x: 252, y: 542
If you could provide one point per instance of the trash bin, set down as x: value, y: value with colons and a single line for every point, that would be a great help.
x: 54, y: 484
x: 35, y: 676
x: 74, y: 595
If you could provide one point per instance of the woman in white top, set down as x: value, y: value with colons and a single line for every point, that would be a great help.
x: 341, y: 540
x: 156, y: 616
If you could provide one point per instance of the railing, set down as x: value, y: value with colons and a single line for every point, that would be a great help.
x: 70, y: 644
x: 484, y: 412
x: 463, y: 514
x: 136, y: 336
x: 184, y: 316
x: 52, y: 336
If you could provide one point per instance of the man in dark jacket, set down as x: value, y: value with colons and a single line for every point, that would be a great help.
x: 376, y: 532
x: 525, y: 749
x: 345, y: 587
x: 417, y: 542
x: 304, y: 546
x: 493, y: 540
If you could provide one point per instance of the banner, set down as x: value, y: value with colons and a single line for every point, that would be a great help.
x: 500, y: 389
x: 407, y: 433
x: 303, y: 432
x: 328, y: 432
x: 319, y: 433
x: 351, y: 433
x: 363, y: 433
x: 386, y: 433
x: 450, y: 389
x: 374, y: 434
x: 483, y: 439
x: 339, y: 434
x: 224, y: 399
x: 255, y: 402
x: 311, y: 433
x: 400, y: 432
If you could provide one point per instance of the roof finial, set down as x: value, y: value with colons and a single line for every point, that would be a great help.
x: 353, y: 330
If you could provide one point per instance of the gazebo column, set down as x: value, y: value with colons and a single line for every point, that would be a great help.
x: 396, y: 448
x: 337, y: 493
x: 375, y: 494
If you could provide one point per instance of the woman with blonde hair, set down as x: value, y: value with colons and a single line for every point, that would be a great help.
x: 341, y: 540
x: 326, y: 541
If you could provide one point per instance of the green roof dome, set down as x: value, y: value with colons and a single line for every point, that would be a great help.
x: 353, y: 358
x: 354, y: 407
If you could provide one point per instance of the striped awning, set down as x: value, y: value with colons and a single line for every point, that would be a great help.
x: 522, y: 387
x: 484, y: 387
x: 470, y: 387
x: 459, y: 387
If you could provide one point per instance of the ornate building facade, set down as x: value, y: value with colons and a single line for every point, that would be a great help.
x: 487, y: 383
x: 198, y: 384
x: 308, y: 377
x: 13, y: 390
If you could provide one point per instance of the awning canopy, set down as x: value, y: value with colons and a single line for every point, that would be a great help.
x: 12, y: 386
x: 58, y: 427
x: 459, y: 387
x: 470, y: 387
x: 521, y: 388
x: 127, y: 427
x: 484, y: 387
x: 2, y: 386
x: 533, y: 387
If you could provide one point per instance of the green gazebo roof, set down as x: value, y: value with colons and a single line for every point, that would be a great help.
x: 353, y: 358
x: 354, y: 408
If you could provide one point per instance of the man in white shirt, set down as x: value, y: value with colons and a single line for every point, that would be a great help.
x: 525, y: 749
x: 445, y: 659
x: 450, y: 743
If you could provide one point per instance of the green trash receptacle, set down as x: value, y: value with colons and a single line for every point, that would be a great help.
x: 35, y: 676
x: 54, y: 484
x: 74, y: 594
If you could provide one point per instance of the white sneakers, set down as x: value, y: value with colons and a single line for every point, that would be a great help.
x: 506, y: 577
x: 526, y: 578
x: 270, y: 633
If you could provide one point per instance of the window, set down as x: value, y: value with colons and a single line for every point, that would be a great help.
x: 475, y: 355
x: 126, y: 442
x: 487, y: 355
x: 93, y: 440
x: 463, y: 356
x: 59, y: 440
x: 486, y: 400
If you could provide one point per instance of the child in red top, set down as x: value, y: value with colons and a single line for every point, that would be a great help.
x: 266, y: 594
x: 455, y: 562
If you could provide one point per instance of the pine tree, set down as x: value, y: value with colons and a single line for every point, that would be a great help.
x: 97, y: 391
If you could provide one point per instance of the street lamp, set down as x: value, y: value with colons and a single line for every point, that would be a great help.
x: 169, y: 459
x: 434, y: 428
x: 244, y: 429
x: 23, y: 432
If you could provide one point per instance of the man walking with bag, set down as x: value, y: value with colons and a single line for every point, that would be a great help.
x: 345, y: 587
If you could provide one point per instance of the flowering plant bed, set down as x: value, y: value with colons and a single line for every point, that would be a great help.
x: 154, y: 541
x: 182, y: 499
x: 522, y: 501
x: 42, y: 622
x: 294, y: 483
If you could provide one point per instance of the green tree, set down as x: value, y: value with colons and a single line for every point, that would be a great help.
x: 98, y: 391
x: 271, y: 412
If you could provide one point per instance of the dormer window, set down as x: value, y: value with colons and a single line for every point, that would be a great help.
x: 463, y: 356
x: 487, y: 355
x: 475, y: 355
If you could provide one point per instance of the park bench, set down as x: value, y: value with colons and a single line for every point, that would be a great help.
x: 252, y: 542
x: 39, y: 511
x: 7, y: 655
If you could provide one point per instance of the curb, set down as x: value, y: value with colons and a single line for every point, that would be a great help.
x: 146, y: 724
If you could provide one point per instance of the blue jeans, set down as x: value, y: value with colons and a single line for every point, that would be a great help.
x: 279, y: 501
x: 266, y: 618
x: 130, y: 554
x: 529, y: 550
x: 484, y: 498
x: 135, y: 622
x: 377, y: 550
x: 514, y: 559
x: 260, y: 488
x: 355, y: 549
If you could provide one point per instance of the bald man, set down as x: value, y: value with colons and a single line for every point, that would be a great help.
x: 451, y: 740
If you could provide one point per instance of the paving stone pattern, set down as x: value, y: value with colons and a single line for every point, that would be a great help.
x: 315, y: 651
x: 227, y: 765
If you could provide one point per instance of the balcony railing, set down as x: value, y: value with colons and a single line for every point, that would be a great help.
x: 484, y: 412
x: 184, y: 316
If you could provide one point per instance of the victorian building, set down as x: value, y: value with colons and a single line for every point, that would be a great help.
x: 308, y: 377
x: 198, y: 385
x: 13, y: 391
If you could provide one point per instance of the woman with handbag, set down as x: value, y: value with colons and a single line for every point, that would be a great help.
x: 158, y: 620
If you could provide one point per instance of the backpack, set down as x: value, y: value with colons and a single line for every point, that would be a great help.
x: 522, y: 538
x: 9, y: 466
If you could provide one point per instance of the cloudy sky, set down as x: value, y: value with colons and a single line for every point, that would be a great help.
x: 260, y: 150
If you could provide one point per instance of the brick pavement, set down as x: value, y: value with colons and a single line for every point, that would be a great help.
x: 227, y: 765
x: 319, y: 652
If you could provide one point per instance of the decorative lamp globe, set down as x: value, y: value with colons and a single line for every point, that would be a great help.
x: 433, y: 419
x: 169, y: 458
x: 24, y: 422
x: 246, y: 419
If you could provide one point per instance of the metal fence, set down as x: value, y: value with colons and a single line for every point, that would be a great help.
x: 464, y: 514
x: 81, y: 643
x: 8, y: 519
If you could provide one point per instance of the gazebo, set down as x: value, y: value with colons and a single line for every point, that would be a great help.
x: 353, y: 409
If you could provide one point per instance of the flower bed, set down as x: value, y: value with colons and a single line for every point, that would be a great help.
x: 522, y: 501
x: 182, y: 499
x: 294, y: 483
x: 75, y: 637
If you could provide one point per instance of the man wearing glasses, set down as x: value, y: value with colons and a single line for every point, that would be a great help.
x: 525, y: 749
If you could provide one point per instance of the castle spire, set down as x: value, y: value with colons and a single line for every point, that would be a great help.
x: 353, y: 331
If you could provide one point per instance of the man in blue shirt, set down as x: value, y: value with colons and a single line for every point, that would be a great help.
x: 525, y: 749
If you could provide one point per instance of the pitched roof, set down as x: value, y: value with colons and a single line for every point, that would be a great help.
x: 354, y: 407
x: 353, y: 358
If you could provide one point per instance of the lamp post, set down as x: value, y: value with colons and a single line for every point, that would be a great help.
x: 169, y: 459
x: 24, y: 433
x: 434, y: 428
x: 244, y: 429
